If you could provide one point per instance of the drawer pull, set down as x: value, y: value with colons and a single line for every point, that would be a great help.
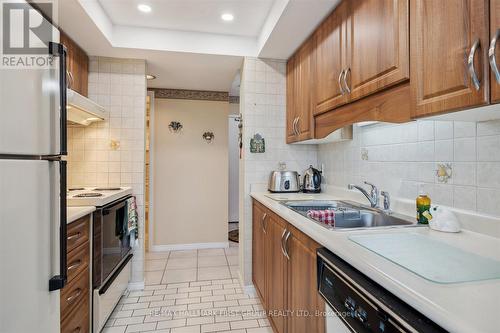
x: 71, y: 298
x: 75, y: 236
x: 74, y: 264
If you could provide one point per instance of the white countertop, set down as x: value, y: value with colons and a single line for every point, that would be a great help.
x: 106, y: 197
x: 74, y: 213
x: 462, y: 307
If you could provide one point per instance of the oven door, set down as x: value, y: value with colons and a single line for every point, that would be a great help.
x: 111, y: 240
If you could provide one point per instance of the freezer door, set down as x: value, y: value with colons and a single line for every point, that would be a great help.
x: 29, y: 248
x: 29, y: 109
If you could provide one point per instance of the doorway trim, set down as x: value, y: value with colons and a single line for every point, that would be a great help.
x: 151, y: 95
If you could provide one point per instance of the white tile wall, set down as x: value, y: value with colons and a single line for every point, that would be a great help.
x: 262, y: 104
x: 119, y: 85
x: 403, y: 157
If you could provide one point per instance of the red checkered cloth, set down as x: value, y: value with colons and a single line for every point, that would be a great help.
x: 326, y: 216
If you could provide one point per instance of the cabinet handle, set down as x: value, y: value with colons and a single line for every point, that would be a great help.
x: 470, y: 64
x: 74, y: 296
x: 71, y: 80
x: 347, y: 89
x: 77, y: 330
x: 262, y: 222
x: 282, y: 238
x: 77, y: 235
x: 285, y: 246
x: 74, y: 264
x: 297, y: 125
x: 341, y: 75
x: 492, y: 55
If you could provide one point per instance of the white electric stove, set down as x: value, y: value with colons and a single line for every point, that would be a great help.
x: 95, y: 196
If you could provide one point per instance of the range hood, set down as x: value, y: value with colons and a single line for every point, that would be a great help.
x: 82, y: 110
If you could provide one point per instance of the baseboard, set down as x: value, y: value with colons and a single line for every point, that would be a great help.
x: 248, y: 289
x: 136, y: 286
x: 191, y: 246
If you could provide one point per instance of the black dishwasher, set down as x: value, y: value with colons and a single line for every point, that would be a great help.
x: 362, y: 304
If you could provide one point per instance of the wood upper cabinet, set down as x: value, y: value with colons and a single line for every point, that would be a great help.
x: 493, y: 52
x: 259, y: 251
x: 276, y: 275
x: 300, y: 85
x: 77, y: 63
x: 443, y: 36
x: 302, y: 272
x: 377, y: 46
x: 329, y: 42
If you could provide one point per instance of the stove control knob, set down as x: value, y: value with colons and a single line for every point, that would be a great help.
x: 350, y: 304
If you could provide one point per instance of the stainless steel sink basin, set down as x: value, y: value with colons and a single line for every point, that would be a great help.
x: 349, y: 215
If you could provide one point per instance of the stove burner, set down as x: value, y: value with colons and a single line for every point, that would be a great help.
x: 76, y: 189
x: 107, y: 189
x: 88, y: 195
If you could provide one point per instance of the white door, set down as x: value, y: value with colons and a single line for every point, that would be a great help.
x: 234, y: 160
x: 29, y: 108
x: 29, y: 246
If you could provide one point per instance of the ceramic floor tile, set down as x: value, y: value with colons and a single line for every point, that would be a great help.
x: 215, y: 327
x: 210, y: 273
x: 156, y: 255
x: 211, y: 261
x: 155, y: 265
x: 260, y: 330
x: 181, y: 263
x: 211, y: 252
x: 179, y: 275
x: 235, y: 271
x: 232, y: 251
x: 140, y: 327
x: 187, y: 329
x: 233, y: 260
x: 120, y: 329
x: 183, y: 254
x: 153, y: 277
x: 244, y: 324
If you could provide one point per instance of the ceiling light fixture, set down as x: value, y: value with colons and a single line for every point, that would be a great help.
x: 227, y: 17
x: 144, y: 8
x: 150, y: 77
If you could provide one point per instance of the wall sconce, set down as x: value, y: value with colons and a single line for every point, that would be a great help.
x: 208, y: 137
x: 175, y: 126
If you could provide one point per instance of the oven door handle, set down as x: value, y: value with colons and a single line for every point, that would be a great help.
x: 120, y: 205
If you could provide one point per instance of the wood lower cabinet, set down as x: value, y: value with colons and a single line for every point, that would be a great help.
x: 259, y: 251
x: 290, y: 275
x: 494, y: 52
x: 377, y: 46
x: 443, y: 36
x: 75, y: 296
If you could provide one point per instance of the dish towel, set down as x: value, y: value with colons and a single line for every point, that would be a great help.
x: 326, y: 216
x: 133, y: 220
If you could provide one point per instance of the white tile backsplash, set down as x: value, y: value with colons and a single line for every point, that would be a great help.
x: 119, y: 85
x: 403, y: 157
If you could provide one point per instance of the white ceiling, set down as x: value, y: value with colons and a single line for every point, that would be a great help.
x: 189, y: 53
x: 192, y: 15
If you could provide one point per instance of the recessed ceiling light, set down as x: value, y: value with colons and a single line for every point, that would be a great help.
x: 144, y: 8
x: 150, y: 77
x: 227, y: 17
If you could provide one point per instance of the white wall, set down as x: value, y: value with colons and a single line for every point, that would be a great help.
x: 190, y: 176
x: 403, y: 157
x: 262, y: 105
x: 119, y: 85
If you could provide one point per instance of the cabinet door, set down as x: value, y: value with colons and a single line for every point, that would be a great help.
x: 291, y: 98
x: 442, y: 35
x: 303, y: 297
x: 258, y: 252
x: 377, y: 46
x: 276, y: 275
x: 304, y: 112
x: 77, y: 66
x: 329, y: 41
x: 493, y: 52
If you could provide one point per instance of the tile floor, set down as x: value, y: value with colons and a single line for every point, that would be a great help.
x: 192, y: 291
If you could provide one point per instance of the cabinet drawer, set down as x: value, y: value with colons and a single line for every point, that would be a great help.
x: 78, y: 261
x: 78, y: 320
x: 75, y: 293
x: 78, y: 233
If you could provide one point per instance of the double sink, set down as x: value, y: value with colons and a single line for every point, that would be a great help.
x: 350, y: 215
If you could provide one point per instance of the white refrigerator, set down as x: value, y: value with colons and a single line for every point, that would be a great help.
x: 33, y: 194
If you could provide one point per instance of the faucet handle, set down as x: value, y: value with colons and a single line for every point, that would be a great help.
x: 387, y: 200
x: 370, y: 184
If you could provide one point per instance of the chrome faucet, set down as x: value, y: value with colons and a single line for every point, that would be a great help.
x: 372, y: 197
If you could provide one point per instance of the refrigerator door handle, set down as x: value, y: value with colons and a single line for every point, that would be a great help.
x: 59, y: 50
x: 58, y: 281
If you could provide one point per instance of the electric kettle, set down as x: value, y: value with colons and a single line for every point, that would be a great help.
x: 312, y: 180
